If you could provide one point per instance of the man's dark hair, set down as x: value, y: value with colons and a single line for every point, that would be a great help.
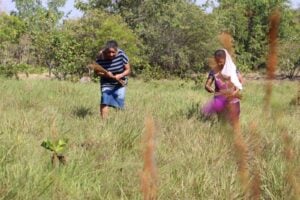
x: 220, y: 53
x: 111, y: 44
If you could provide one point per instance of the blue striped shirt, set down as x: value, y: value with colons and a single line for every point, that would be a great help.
x: 115, y: 66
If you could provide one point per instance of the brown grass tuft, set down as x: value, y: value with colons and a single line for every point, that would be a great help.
x: 292, y: 168
x: 212, y: 63
x: 240, y: 146
x: 272, y: 54
x: 227, y: 42
x: 255, y: 143
x: 54, y: 135
x: 241, y: 151
x: 288, y: 150
x: 149, y: 173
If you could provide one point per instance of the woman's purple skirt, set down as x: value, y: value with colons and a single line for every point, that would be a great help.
x: 216, y: 105
x: 220, y: 105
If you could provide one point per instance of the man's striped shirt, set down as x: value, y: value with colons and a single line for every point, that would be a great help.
x: 115, y: 66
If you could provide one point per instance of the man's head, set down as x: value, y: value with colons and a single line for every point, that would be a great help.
x: 111, y: 49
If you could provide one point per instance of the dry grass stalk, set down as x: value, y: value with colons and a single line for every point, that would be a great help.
x: 272, y: 54
x: 227, y: 42
x: 212, y: 63
x: 255, y: 190
x: 298, y: 95
x: 288, y: 150
x: 292, y: 171
x: 53, y: 129
x: 241, y: 151
x: 149, y: 173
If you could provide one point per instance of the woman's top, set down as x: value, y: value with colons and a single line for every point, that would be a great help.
x: 222, y: 85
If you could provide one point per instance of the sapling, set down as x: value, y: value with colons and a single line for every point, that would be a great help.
x: 57, y: 147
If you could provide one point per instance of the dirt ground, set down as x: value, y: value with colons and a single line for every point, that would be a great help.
x: 43, y: 76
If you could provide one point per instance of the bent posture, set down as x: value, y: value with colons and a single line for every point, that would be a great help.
x: 114, y: 80
x: 228, y: 84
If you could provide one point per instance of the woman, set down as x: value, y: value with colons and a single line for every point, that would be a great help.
x: 228, y: 84
x: 113, y: 83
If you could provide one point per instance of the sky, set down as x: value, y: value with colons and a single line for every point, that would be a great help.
x: 8, y: 5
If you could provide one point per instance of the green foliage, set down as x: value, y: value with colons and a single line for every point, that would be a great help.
x: 55, y: 146
x: 93, y: 30
x: 11, y: 28
x: 13, y: 70
x: 248, y: 22
x: 61, y: 54
x: 290, y: 59
x: 178, y: 35
x: 290, y: 47
x: 30, y: 10
x: 161, y: 38
x: 149, y: 73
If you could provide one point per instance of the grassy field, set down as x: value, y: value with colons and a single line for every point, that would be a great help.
x: 195, y: 159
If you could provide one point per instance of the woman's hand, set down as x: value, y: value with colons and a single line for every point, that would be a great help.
x: 232, y: 93
x: 238, y: 94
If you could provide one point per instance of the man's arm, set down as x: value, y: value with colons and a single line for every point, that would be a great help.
x: 99, y: 70
x: 126, y: 72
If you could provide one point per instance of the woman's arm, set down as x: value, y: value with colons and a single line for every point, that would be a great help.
x: 208, y: 85
x: 240, y: 77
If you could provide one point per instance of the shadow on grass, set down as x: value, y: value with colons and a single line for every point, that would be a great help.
x: 194, y: 111
x: 82, y: 112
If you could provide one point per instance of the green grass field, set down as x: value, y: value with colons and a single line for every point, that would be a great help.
x: 195, y: 158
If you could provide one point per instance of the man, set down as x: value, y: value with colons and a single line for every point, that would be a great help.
x: 113, y: 83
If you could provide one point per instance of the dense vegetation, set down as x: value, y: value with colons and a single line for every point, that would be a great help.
x: 161, y: 37
x: 195, y: 159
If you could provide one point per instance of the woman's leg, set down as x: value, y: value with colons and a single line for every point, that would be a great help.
x: 234, y: 112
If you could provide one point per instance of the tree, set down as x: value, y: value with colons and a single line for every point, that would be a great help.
x: 248, y: 22
x: 11, y: 31
x: 77, y: 43
x: 42, y: 20
x: 290, y: 46
x: 178, y: 35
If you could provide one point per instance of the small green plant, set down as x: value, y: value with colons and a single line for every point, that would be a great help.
x: 57, y: 147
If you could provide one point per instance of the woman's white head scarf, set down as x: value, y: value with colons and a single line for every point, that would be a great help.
x: 229, y: 70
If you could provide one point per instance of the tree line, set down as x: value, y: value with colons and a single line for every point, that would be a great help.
x: 162, y: 37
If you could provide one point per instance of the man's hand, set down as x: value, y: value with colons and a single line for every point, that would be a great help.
x: 110, y: 75
x: 118, y: 77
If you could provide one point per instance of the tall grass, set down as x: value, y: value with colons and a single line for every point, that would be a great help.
x: 194, y: 158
